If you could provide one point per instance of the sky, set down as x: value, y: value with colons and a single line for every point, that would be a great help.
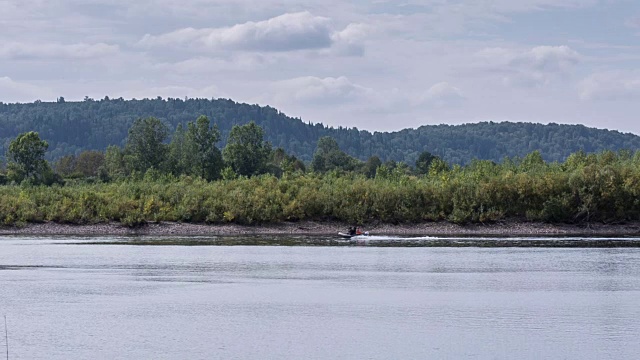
x: 376, y: 65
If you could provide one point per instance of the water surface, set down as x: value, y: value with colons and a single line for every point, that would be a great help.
x: 79, y: 298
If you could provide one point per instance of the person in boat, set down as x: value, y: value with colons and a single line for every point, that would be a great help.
x: 352, y: 231
x: 358, y: 231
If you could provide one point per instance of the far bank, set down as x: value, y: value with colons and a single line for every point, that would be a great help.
x: 505, y: 228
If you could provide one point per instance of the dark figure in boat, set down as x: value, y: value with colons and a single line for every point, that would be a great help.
x: 355, y: 231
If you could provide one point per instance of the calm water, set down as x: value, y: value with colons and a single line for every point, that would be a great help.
x: 66, y: 300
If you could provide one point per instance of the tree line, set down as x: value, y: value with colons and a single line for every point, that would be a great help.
x: 192, y: 151
x: 191, y: 179
x: 75, y: 127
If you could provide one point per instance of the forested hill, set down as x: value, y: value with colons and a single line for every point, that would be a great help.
x: 71, y: 127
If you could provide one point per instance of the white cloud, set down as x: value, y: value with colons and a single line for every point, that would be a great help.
x: 13, y: 91
x: 548, y: 59
x: 534, y: 67
x: 178, y: 37
x: 350, y: 41
x: 205, y: 65
x: 295, y: 31
x: 315, y: 90
x: 15, y: 50
x: 441, y: 94
x: 611, y: 85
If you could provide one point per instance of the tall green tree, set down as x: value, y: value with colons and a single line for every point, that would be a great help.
x: 26, y: 157
x: 66, y: 165
x: 246, y: 151
x: 88, y: 162
x: 179, y: 152
x: 424, y: 162
x: 328, y: 156
x: 281, y: 163
x: 116, y: 163
x: 202, y: 137
x: 438, y: 166
x: 371, y: 166
x: 145, y: 143
x: 532, y: 161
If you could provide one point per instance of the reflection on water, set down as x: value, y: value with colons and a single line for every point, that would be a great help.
x: 68, y: 298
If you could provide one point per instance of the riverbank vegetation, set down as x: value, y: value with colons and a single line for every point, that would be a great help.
x: 247, y: 182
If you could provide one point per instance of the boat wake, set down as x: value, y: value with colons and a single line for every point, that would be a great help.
x: 392, y: 238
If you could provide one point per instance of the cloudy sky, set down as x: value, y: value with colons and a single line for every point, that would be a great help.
x: 375, y: 65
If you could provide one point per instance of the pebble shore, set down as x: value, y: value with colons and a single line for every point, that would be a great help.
x: 507, y: 228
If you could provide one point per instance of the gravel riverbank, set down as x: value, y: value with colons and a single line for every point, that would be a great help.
x: 507, y: 228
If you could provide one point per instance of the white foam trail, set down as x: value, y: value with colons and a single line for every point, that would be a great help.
x: 392, y: 238
x: 490, y: 238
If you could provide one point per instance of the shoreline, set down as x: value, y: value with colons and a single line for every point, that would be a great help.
x: 506, y: 228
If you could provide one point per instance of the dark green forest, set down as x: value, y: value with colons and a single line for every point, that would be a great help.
x: 73, y: 127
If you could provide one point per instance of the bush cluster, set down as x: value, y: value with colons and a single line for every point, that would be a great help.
x: 601, y: 187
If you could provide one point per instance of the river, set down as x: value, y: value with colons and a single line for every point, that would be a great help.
x: 104, y: 298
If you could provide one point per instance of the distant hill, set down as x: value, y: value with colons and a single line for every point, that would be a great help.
x: 71, y: 127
